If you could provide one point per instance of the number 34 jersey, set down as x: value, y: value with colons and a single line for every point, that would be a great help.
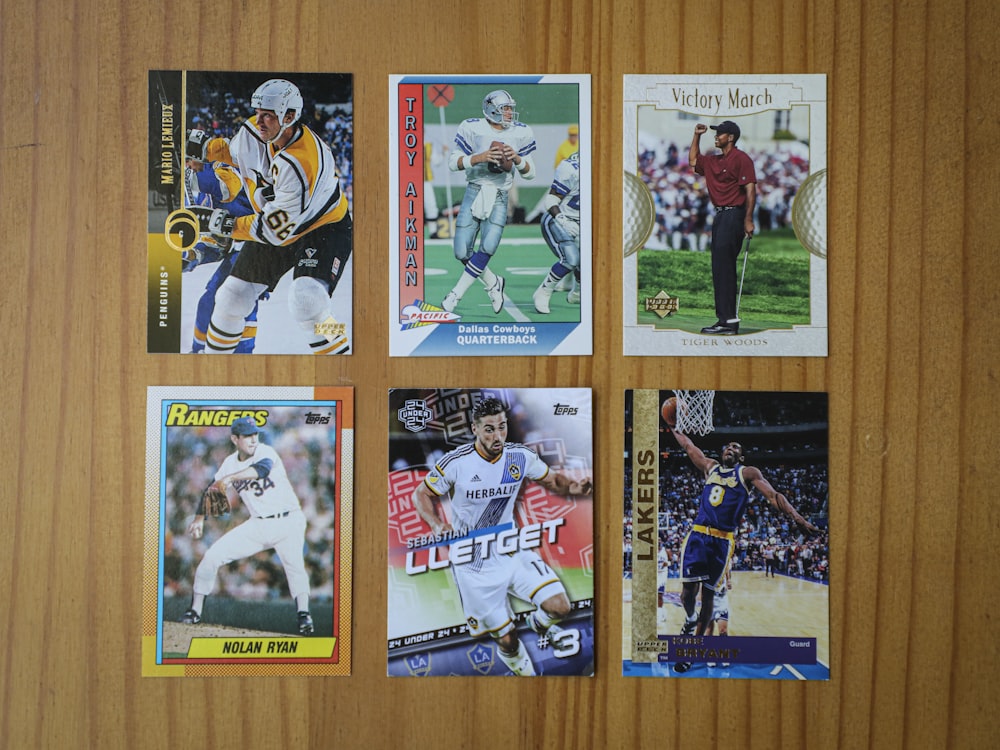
x: 293, y: 191
x: 265, y: 495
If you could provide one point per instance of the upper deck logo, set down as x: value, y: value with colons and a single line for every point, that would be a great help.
x: 414, y: 414
x: 662, y: 304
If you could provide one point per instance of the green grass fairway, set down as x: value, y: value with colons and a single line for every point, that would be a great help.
x: 775, y: 289
x: 522, y: 259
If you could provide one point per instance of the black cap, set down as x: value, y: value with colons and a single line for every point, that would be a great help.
x: 727, y: 126
x: 245, y: 426
x: 196, y: 143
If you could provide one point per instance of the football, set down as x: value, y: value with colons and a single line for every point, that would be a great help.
x: 505, y: 164
x: 669, y: 412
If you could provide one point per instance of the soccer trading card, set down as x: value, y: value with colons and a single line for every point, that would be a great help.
x: 726, y: 535
x: 490, y: 216
x: 247, y: 546
x: 724, y: 216
x: 249, y: 213
x: 491, y: 532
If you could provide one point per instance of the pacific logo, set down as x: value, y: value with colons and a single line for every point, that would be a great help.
x: 422, y: 313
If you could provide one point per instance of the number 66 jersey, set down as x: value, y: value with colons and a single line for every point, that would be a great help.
x: 293, y: 191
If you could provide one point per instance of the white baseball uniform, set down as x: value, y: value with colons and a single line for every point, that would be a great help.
x: 276, y: 522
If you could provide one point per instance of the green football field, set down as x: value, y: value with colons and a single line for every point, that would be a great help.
x: 776, y: 287
x: 522, y: 259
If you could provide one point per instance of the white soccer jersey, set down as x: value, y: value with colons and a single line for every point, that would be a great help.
x: 483, y: 492
x: 304, y: 179
x: 265, y: 495
x: 566, y: 184
x: 475, y: 136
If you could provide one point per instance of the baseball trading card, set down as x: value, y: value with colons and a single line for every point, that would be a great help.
x: 247, y: 541
x: 726, y: 535
x: 249, y: 213
x: 724, y: 228
x: 490, y: 216
x: 491, y: 532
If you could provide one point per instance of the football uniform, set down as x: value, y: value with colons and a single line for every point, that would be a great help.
x: 276, y: 522
x: 484, y: 206
x: 483, y: 493
x: 566, y: 185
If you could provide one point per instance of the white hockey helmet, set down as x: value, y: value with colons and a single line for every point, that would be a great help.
x: 494, y: 104
x: 278, y: 96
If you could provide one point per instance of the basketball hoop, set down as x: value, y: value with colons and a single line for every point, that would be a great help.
x: 694, y: 411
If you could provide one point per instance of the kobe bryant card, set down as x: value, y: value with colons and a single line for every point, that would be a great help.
x: 724, y: 228
x: 490, y: 216
x: 247, y: 540
x: 249, y: 228
x: 491, y: 532
x: 726, y: 535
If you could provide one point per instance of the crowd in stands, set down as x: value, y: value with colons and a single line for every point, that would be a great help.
x: 684, y: 213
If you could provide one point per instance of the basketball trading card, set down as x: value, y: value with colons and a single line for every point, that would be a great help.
x: 249, y: 228
x: 247, y: 540
x: 491, y: 532
x: 724, y: 228
x: 726, y: 535
x: 490, y: 216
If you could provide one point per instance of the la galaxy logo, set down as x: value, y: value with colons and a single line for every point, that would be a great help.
x: 481, y: 658
x: 419, y: 665
x: 414, y: 414
x: 515, y: 472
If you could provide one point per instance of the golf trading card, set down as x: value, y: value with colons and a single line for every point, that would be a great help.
x: 726, y: 535
x: 247, y: 541
x: 249, y: 212
x: 724, y: 215
x: 490, y: 216
x: 491, y: 532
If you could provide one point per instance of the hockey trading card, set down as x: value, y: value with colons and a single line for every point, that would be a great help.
x: 726, y: 535
x: 247, y: 547
x: 490, y: 216
x: 249, y: 213
x: 724, y: 216
x: 491, y: 532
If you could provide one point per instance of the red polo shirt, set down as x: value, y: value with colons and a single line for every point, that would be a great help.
x: 725, y: 176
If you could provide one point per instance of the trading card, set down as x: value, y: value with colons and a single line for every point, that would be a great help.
x: 724, y: 216
x: 726, y: 535
x: 247, y: 561
x: 491, y: 532
x: 249, y: 213
x: 490, y: 216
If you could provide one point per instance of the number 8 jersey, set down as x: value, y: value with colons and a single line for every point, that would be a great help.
x: 724, y: 498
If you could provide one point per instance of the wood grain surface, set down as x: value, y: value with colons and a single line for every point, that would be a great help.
x: 911, y: 374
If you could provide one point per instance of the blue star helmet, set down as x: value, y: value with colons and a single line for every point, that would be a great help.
x: 278, y: 96
x: 498, y: 103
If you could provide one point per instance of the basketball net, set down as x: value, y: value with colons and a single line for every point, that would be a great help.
x: 694, y: 411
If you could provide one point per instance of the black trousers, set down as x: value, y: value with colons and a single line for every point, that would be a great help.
x: 727, y: 239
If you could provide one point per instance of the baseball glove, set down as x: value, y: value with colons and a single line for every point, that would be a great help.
x: 215, y: 501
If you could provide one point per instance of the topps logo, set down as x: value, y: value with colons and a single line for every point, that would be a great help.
x: 565, y: 409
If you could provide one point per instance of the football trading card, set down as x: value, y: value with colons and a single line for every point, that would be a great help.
x: 249, y: 213
x: 724, y: 216
x: 491, y: 532
x: 726, y: 535
x: 247, y: 541
x: 490, y: 216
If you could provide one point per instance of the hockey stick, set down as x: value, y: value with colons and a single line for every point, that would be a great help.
x: 739, y: 295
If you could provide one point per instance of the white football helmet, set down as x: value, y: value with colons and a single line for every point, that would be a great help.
x: 278, y: 96
x: 494, y: 105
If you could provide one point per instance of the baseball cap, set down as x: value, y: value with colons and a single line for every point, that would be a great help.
x: 574, y: 130
x: 727, y: 126
x: 245, y: 426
